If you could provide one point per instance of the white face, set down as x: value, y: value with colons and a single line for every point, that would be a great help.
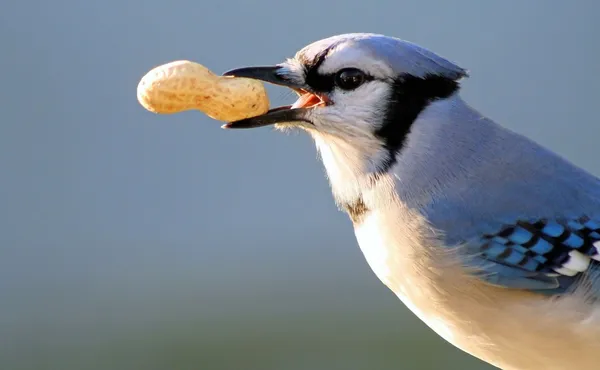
x: 358, y: 92
x: 353, y: 114
x: 359, y: 97
x: 355, y: 86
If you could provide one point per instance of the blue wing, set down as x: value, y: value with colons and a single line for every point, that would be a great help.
x: 549, y: 255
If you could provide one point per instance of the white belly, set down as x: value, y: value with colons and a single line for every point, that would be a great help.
x: 510, y: 329
x: 388, y: 260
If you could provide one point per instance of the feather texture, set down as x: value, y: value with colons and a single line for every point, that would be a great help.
x: 491, y: 239
x: 545, y: 255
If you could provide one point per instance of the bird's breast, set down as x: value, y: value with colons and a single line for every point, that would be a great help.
x: 395, y: 253
x: 485, y: 321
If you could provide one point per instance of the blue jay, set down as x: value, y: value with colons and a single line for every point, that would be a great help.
x: 489, y: 238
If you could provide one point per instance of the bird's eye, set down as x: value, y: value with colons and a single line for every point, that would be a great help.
x: 349, y: 78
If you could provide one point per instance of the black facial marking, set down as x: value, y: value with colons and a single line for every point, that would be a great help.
x: 320, y: 83
x: 317, y: 82
x: 410, y: 95
x: 356, y: 210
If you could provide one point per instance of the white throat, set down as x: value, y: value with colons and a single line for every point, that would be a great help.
x: 345, y: 164
x: 350, y: 163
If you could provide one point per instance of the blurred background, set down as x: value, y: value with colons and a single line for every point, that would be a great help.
x: 130, y: 240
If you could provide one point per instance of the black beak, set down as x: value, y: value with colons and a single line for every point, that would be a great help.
x: 281, y: 114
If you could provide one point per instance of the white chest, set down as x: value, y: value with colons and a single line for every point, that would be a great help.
x: 376, y: 246
x: 390, y: 255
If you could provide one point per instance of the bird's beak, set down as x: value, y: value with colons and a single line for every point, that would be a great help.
x: 277, y: 115
x: 270, y: 74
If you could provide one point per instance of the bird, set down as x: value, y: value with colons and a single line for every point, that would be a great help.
x: 488, y: 237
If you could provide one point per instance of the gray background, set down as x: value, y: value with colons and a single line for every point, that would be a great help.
x: 135, y: 241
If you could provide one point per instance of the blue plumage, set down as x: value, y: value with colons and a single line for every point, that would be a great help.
x: 539, y: 254
x: 429, y: 181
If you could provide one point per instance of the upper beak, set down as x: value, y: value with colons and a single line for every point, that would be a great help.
x: 281, y: 114
x: 264, y: 73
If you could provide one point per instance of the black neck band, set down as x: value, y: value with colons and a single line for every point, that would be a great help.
x: 410, y: 96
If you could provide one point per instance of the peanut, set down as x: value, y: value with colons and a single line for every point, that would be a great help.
x: 183, y: 85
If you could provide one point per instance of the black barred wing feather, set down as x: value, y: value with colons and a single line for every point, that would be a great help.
x: 545, y: 254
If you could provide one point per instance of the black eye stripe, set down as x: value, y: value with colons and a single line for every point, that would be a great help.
x: 320, y: 83
x: 326, y: 83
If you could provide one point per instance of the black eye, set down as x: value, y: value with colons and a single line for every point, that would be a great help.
x: 349, y: 78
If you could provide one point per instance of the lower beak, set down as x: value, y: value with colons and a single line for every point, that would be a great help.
x: 277, y: 115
